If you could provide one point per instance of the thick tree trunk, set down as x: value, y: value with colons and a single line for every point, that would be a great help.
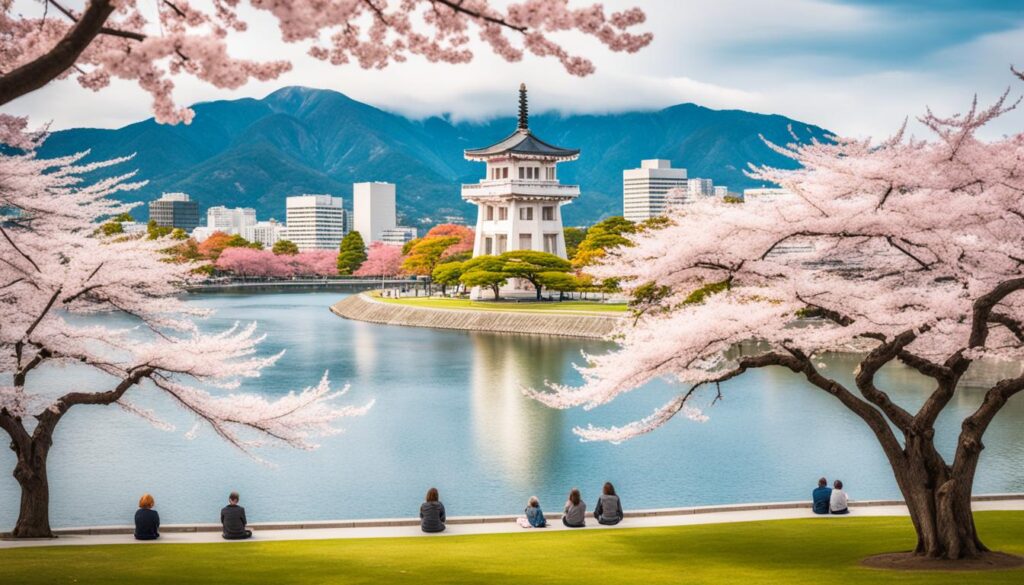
x: 30, y: 471
x: 940, y: 508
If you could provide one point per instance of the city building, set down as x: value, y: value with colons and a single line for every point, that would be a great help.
x: 373, y: 205
x: 315, y: 222
x: 264, y: 232
x: 721, y: 192
x: 349, y: 222
x: 230, y: 220
x: 700, y: 187
x: 175, y: 210
x: 397, y: 236
x: 645, y: 190
x: 133, y: 227
x: 520, y: 199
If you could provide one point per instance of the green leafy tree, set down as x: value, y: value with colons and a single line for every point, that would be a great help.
x: 285, y: 248
x: 601, y: 237
x: 530, y: 264
x: 562, y: 282
x: 112, y: 228
x: 573, y: 238
x: 486, y: 271
x: 351, y: 253
x: 123, y: 217
x: 155, y: 231
x: 178, y: 234
x: 426, y: 254
x: 237, y: 241
x: 447, y: 274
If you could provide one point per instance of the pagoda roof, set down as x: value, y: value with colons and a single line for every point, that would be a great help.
x: 522, y: 143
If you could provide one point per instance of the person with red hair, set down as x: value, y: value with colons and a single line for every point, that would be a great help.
x: 147, y: 521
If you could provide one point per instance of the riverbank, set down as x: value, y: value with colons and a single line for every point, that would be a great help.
x: 300, y: 285
x: 363, y: 307
x: 805, y: 551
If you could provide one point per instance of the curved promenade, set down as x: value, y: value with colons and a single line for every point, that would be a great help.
x: 403, y: 527
x: 362, y: 307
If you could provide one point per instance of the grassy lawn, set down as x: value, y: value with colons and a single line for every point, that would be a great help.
x: 817, y: 551
x: 522, y: 306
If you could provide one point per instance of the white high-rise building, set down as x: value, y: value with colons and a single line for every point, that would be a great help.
x: 264, y: 232
x: 373, y: 205
x: 315, y: 222
x: 721, y: 191
x: 398, y: 236
x: 230, y: 220
x: 519, y: 202
x: 644, y: 190
x: 700, y: 187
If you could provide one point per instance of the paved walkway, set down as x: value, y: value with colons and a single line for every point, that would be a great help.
x: 492, y: 524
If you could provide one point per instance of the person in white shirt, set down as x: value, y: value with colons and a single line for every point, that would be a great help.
x: 838, y: 502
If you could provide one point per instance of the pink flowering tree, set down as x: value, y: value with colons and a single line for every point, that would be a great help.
x: 121, y: 39
x: 381, y: 260
x: 908, y: 250
x: 55, y: 264
x: 314, y: 263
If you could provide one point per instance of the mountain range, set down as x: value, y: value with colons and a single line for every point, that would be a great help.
x: 255, y: 152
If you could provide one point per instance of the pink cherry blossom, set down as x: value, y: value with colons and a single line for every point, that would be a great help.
x: 381, y: 260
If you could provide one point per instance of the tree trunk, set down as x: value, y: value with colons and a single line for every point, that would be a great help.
x: 940, y: 507
x: 30, y: 471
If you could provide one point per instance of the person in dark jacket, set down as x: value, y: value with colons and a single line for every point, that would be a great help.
x: 147, y: 521
x: 232, y: 519
x: 609, y: 509
x: 821, y: 497
x: 575, y: 512
x: 432, y: 516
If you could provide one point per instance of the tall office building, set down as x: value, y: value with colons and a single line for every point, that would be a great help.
x: 373, y: 205
x: 264, y: 232
x: 175, y: 210
x: 315, y: 222
x: 230, y: 219
x: 398, y: 236
x: 644, y: 190
x: 701, y: 187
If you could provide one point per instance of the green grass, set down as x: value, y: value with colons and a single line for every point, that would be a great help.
x: 522, y: 306
x: 814, y: 551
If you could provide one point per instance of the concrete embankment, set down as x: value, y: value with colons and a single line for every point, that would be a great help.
x: 363, y: 308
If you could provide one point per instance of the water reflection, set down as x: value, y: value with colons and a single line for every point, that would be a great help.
x: 518, y: 436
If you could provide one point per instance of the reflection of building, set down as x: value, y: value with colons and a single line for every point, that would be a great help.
x: 397, y: 236
x: 175, y: 210
x: 645, y: 190
x: 315, y: 222
x: 512, y: 430
x: 373, y: 205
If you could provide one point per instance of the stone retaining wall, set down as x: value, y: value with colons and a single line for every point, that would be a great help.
x: 363, y: 308
x: 552, y: 517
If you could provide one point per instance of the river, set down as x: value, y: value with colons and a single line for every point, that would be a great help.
x: 449, y: 413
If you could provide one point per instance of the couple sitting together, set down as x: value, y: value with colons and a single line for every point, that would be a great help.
x: 829, y: 500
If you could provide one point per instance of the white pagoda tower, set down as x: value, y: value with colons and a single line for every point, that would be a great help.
x: 519, y: 201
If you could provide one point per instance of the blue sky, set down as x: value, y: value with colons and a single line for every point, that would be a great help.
x: 856, y: 67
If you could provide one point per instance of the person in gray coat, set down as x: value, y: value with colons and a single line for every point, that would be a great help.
x: 232, y: 519
x: 575, y: 515
x: 609, y: 509
x: 432, y: 517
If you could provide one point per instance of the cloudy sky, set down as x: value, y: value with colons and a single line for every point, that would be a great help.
x: 857, y: 67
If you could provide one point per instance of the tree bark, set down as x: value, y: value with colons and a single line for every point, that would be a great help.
x: 30, y: 471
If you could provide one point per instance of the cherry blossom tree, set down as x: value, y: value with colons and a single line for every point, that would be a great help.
x: 55, y: 264
x: 314, y: 263
x: 251, y: 262
x: 465, y: 234
x: 123, y: 39
x: 909, y: 250
x: 381, y: 260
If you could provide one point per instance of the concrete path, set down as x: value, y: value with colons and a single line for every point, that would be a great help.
x: 206, y: 533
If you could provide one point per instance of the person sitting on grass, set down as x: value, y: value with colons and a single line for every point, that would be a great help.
x: 534, y: 515
x: 838, y: 500
x: 147, y: 521
x: 432, y: 517
x: 575, y: 513
x: 608, y: 510
x: 232, y: 519
x: 821, y: 497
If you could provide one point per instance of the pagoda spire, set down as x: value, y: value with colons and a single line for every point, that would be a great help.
x: 524, y: 116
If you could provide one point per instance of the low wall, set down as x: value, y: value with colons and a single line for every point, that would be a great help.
x: 552, y: 517
x: 363, y: 308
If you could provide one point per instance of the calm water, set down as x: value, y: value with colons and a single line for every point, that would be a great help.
x: 449, y: 413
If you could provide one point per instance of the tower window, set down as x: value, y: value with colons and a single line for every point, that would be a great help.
x: 526, y: 213
x: 502, y: 213
x: 547, y: 213
x: 490, y: 213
